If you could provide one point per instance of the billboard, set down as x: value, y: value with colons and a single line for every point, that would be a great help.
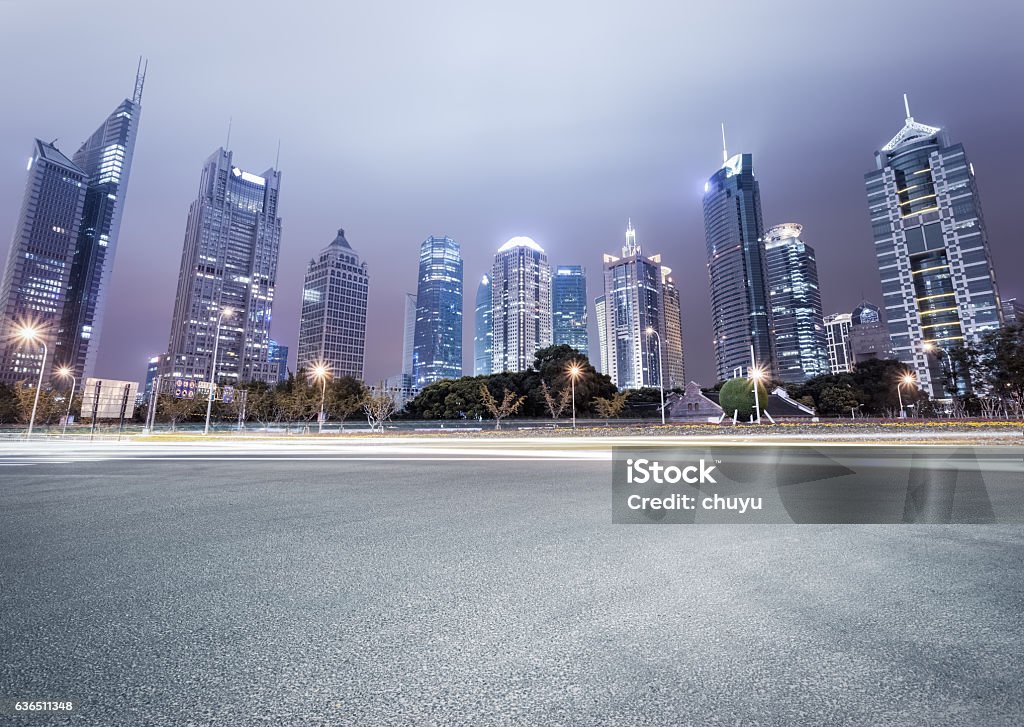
x: 106, y: 398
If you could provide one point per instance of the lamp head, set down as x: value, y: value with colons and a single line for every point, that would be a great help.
x: 28, y: 333
x: 650, y: 330
x: 64, y: 371
x: 757, y: 373
x: 574, y: 370
x: 908, y: 379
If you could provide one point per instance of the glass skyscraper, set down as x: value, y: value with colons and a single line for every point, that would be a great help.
x: 408, y: 334
x: 228, y: 272
x: 520, y: 304
x: 58, y: 270
x: 569, y: 307
x: 332, y: 329
x: 672, y: 343
x: 733, y: 229
x: 932, y: 249
x: 278, y: 355
x: 482, y: 333
x: 801, y: 346
x: 437, y: 348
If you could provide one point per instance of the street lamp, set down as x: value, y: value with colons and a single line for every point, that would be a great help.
x: 64, y: 372
x: 757, y: 373
x: 907, y: 379
x: 30, y: 334
x: 574, y: 371
x: 321, y: 372
x: 661, y: 379
x: 213, y: 367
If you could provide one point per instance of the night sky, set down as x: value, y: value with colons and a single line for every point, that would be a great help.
x: 556, y: 120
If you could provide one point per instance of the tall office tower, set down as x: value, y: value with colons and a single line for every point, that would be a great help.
x: 408, y: 334
x: 601, y: 311
x: 740, y: 314
x: 633, y: 305
x: 332, y: 329
x: 1013, y: 312
x: 278, y: 356
x: 672, y: 334
x: 437, y: 349
x: 837, y: 334
x: 106, y: 157
x: 152, y: 369
x: 869, y: 336
x: 520, y: 305
x: 801, y: 346
x: 482, y: 331
x: 569, y: 307
x: 932, y: 248
x: 39, y: 263
x: 228, y: 274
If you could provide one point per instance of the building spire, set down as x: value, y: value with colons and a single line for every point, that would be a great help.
x: 277, y: 159
x: 140, y: 81
x: 227, y: 143
x: 906, y: 105
x: 630, y: 248
x: 725, y: 153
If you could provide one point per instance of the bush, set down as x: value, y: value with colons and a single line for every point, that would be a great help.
x: 738, y: 395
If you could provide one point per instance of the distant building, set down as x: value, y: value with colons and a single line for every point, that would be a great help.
x: 228, y: 274
x: 740, y: 313
x: 402, y: 388
x: 837, y: 333
x: 408, y: 333
x: 675, y: 362
x: 278, y: 355
x: 601, y: 311
x: 520, y: 304
x: 801, y: 347
x: 152, y: 369
x: 482, y: 333
x: 569, y: 307
x: 437, y: 348
x: 869, y: 336
x: 1013, y: 312
x: 932, y: 250
x: 332, y: 330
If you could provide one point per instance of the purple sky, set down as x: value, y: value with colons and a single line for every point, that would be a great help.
x: 553, y: 120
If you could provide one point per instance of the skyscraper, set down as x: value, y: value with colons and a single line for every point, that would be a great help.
x: 931, y: 246
x: 869, y: 336
x: 58, y: 269
x: 39, y: 263
x: 482, y: 333
x: 1013, y: 312
x: 569, y: 307
x: 672, y: 337
x: 837, y: 335
x: 408, y: 334
x: 332, y: 329
x: 437, y: 349
x: 520, y: 304
x: 106, y: 157
x: 633, y: 304
x: 228, y: 274
x: 278, y: 356
x: 601, y: 311
x: 733, y: 229
x: 801, y: 346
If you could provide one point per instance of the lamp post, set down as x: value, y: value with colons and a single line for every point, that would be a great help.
x: 321, y: 372
x: 574, y: 371
x: 661, y: 378
x: 756, y: 373
x: 29, y: 334
x: 908, y: 379
x: 64, y: 372
x: 213, y: 368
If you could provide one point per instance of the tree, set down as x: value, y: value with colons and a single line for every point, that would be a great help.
x: 10, y: 408
x: 995, y: 367
x: 509, y: 405
x: 261, y: 402
x: 611, y: 406
x: 378, y: 407
x: 737, y: 398
x: 556, y: 404
x: 173, y: 410
x: 345, y: 396
x: 836, y: 401
x: 49, y: 409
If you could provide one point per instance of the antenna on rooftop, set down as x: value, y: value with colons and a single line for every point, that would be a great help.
x: 140, y: 81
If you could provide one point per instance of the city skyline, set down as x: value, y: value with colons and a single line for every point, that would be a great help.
x: 810, y: 164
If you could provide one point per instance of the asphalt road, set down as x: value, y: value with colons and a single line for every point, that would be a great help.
x: 472, y: 592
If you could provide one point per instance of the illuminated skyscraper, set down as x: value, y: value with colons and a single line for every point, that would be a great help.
x: 482, y: 333
x: 601, y: 311
x: 801, y: 346
x: 740, y: 313
x: 938, y: 284
x: 228, y: 272
x: 520, y: 304
x: 672, y: 335
x: 332, y: 329
x: 837, y: 335
x: 569, y: 307
x: 278, y: 356
x: 408, y: 334
x: 437, y: 349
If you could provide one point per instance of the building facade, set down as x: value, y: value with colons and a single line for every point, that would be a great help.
x: 869, y: 336
x: 931, y: 247
x: 332, y: 329
x: 801, y: 346
x: 1013, y: 312
x: 837, y: 334
x: 408, y: 333
x: 672, y: 334
x: 437, y: 348
x: 601, y: 311
x: 520, y: 305
x: 733, y: 229
x: 228, y: 274
x: 278, y: 356
x: 569, y: 308
x: 482, y: 333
